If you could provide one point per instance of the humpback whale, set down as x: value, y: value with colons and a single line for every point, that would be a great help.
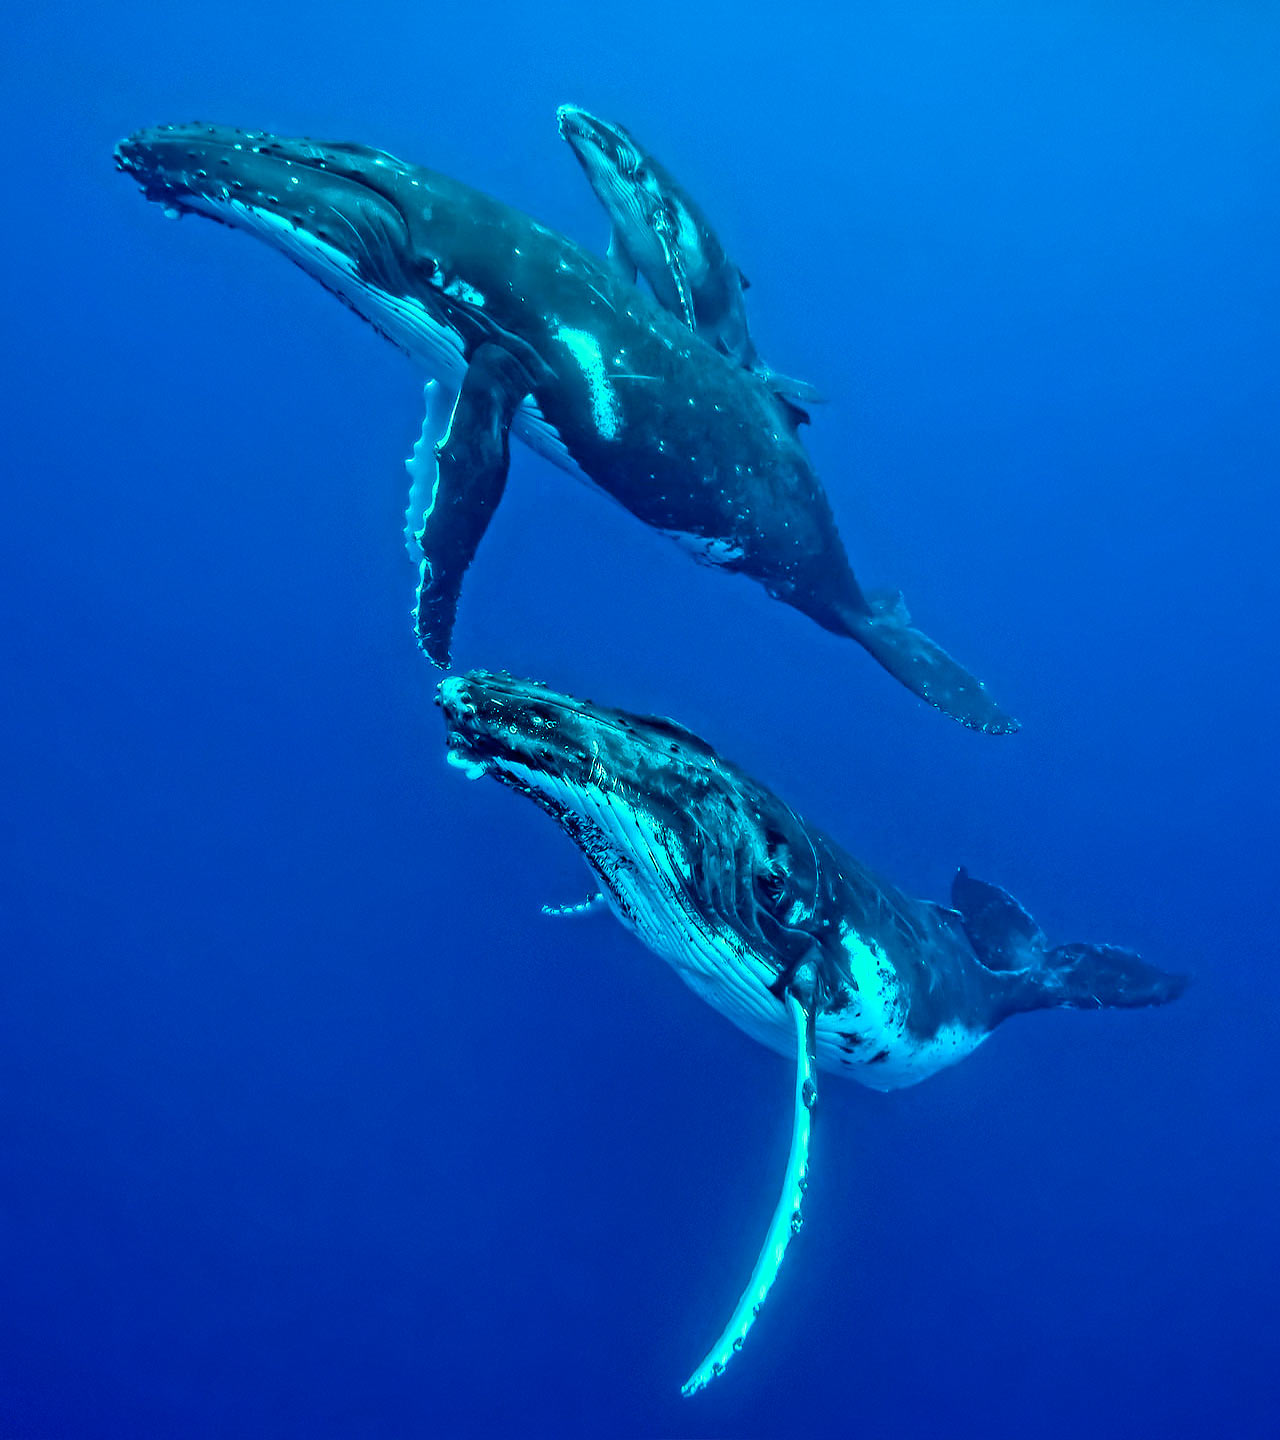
x: 536, y: 337
x: 769, y: 920
x: 656, y: 229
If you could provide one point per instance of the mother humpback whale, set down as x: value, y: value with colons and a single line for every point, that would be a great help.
x: 535, y: 334
x: 769, y: 920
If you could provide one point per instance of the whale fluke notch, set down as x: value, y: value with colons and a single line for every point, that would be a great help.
x: 786, y: 1220
x: 885, y: 631
x: 1007, y: 940
x: 471, y: 474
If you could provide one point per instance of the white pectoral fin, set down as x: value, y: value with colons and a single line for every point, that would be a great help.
x: 786, y: 1215
x: 470, y: 465
x: 581, y: 907
x: 421, y: 465
x: 668, y: 233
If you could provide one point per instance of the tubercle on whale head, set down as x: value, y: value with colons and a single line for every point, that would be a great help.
x: 643, y: 792
x: 510, y: 727
x: 603, y: 775
x: 350, y: 201
x: 587, y: 132
x: 615, y: 165
x: 177, y: 156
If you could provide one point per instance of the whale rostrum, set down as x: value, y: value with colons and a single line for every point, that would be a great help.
x: 769, y: 920
x: 528, y: 333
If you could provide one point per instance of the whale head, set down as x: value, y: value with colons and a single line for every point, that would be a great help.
x: 697, y: 857
x: 621, y: 174
x: 383, y: 236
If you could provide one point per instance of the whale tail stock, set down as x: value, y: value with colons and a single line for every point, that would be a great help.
x: 885, y: 631
x: 1040, y: 977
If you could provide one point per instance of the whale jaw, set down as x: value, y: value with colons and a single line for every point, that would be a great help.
x: 624, y: 788
x: 329, y: 208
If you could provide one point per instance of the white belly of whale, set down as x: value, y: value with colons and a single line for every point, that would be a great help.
x: 867, y: 1039
x: 404, y: 320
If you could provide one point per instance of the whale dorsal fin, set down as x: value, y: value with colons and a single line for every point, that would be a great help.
x: 663, y: 725
x: 619, y: 257
x: 788, y: 388
x: 1003, y: 935
x: 795, y: 415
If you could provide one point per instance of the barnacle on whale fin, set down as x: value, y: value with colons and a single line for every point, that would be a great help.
x: 786, y: 1219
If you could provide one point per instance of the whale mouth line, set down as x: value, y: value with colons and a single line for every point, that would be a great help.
x: 521, y: 734
x: 472, y: 744
x: 196, y: 187
x: 584, y: 132
x: 570, y: 123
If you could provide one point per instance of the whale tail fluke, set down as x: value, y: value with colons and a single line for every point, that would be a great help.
x: 923, y: 666
x: 1040, y: 977
x: 1104, y: 977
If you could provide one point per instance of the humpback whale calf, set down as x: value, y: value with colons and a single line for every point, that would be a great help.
x: 769, y: 920
x: 656, y: 229
x: 533, y: 334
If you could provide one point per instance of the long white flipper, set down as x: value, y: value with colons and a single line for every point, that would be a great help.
x: 786, y: 1216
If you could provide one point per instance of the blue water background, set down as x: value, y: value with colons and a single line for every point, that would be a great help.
x: 310, y: 1124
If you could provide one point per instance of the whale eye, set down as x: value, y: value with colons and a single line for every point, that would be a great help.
x: 768, y: 887
x: 770, y: 880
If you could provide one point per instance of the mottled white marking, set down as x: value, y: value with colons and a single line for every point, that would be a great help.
x: 460, y: 290
x: 706, y: 551
x: 878, y: 1016
x: 585, y: 349
x: 472, y: 769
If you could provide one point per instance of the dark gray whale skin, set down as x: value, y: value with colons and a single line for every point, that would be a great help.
x: 741, y: 895
x: 682, y: 436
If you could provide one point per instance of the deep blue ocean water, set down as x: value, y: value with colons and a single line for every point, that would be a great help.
x: 310, y: 1124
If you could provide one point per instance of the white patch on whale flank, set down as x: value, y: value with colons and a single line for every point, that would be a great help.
x: 458, y: 289
x: 706, y: 551
x: 880, y: 1019
x: 585, y: 349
